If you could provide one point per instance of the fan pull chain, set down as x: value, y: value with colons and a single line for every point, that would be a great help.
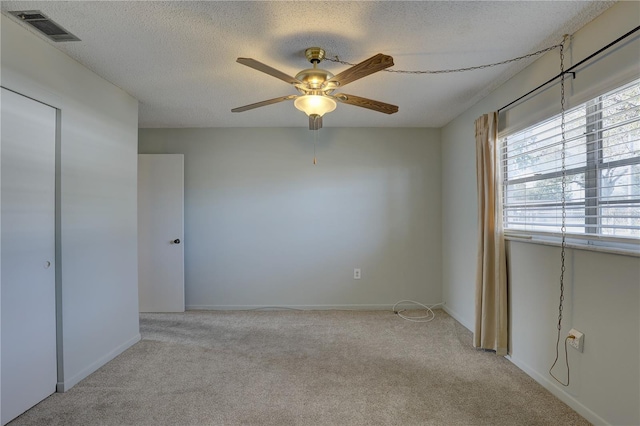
x: 315, y: 138
x: 563, y: 227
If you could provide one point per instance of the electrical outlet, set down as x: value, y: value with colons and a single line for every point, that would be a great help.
x: 578, y: 341
x: 357, y: 273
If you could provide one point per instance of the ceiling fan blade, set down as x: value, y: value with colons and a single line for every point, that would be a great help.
x: 366, y: 103
x: 373, y: 64
x: 264, y: 103
x: 252, y: 63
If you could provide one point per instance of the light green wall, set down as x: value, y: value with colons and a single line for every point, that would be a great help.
x: 602, y: 298
x: 264, y: 226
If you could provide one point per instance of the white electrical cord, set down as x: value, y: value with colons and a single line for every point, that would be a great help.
x: 425, y: 318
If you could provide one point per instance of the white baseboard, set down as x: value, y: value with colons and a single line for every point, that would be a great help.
x: 299, y: 307
x: 558, y: 392
x: 456, y: 317
x: 71, y: 382
x: 542, y: 380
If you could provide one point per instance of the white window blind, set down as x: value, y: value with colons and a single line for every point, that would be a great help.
x: 602, y: 170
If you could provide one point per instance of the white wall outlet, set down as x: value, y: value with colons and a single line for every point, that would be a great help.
x: 578, y: 341
x: 357, y: 273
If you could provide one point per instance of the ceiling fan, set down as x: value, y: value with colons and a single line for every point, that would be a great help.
x: 316, y: 86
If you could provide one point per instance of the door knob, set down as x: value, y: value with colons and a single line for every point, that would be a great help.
x: 176, y: 241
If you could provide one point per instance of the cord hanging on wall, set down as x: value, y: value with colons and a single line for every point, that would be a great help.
x: 563, y: 228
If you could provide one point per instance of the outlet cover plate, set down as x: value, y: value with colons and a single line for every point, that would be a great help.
x: 578, y: 342
x: 357, y: 273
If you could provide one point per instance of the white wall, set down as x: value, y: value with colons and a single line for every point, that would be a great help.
x: 602, y: 298
x: 265, y: 227
x: 97, y: 287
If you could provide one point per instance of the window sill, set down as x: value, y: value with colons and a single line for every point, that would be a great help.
x: 556, y: 242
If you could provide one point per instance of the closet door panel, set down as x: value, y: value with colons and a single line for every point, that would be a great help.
x: 29, y: 372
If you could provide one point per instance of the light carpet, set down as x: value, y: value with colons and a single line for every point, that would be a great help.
x: 303, y: 368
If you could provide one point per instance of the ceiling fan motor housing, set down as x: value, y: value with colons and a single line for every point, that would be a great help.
x: 313, y: 79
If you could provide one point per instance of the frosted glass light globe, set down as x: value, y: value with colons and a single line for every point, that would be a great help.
x: 315, y: 104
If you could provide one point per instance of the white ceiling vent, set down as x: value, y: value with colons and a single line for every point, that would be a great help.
x: 44, y: 25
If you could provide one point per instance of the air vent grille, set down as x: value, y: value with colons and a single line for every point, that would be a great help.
x: 44, y: 25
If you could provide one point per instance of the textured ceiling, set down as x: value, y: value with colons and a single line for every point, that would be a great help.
x: 178, y: 58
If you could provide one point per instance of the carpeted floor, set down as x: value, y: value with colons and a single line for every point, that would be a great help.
x: 303, y: 368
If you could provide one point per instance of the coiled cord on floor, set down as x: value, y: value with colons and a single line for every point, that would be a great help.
x: 425, y: 318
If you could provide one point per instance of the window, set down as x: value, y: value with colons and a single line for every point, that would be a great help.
x: 602, y: 159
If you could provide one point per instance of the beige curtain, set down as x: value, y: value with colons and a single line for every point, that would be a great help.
x: 491, y: 277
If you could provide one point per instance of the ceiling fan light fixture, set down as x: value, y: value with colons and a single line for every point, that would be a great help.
x: 316, y: 86
x: 315, y: 104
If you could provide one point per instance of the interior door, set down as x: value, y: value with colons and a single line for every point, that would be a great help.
x: 160, y: 232
x: 28, y: 370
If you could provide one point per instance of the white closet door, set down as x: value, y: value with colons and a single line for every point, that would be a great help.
x: 160, y: 231
x: 27, y: 244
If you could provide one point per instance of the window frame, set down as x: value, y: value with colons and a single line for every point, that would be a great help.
x: 592, y: 168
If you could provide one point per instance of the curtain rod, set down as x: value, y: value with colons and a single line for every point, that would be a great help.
x: 570, y: 70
